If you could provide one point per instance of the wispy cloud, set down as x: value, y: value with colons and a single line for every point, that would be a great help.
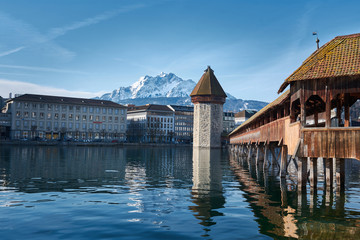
x: 43, y: 69
x: 11, y: 51
x: 29, y: 36
x: 59, y: 31
x: 10, y: 86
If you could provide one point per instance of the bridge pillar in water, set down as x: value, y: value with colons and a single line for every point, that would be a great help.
x: 329, y: 172
x: 340, y: 174
x: 283, y: 164
x: 313, y: 173
x: 302, y: 174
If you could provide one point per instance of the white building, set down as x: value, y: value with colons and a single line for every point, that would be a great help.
x: 50, y: 117
x: 150, y: 123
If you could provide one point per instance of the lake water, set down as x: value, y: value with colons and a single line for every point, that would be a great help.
x: 49, y: 192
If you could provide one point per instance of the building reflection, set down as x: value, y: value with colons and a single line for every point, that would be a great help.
x: 56, y: 168
x: 207, y: 192
x: 281, y: 211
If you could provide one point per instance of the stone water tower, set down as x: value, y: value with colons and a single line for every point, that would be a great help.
x: 208, y: 98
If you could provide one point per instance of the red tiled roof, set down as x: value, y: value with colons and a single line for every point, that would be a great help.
x: 337, y: 58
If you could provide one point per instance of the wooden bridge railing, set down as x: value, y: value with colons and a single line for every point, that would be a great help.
x: 271, y: 132
x: 331, y: 142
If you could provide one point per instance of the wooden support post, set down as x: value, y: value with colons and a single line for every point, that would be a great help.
x: 257, y: 154
x: 249, y: 153
x: 338, y: 111
x: 328, y: 108
x: 347, y: 110
x: 283, y: 166
x: 340, y: 174
x: 313, y: 173
x: 329, y: 172
x: 302, y: 174
x: 303, y: 105
x: 266, y: 153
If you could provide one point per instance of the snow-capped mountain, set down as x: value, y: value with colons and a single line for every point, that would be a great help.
x: 163, y: 85
x: 169, y: 89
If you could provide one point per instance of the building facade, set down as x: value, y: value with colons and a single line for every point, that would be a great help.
x: 51, y: 117
x: 228, y: 122
x: 183, y: 123
x: 150, y: 123
x: 243, y: 115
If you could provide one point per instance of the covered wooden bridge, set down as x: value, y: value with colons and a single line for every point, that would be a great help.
x: 312, y: 118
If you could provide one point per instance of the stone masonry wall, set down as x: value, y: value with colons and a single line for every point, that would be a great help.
x: 207, y: 125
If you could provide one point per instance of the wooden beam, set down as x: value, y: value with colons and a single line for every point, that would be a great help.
x: 303, y: 105
x: 302, y: 174
x: 340, y: 174
x: 283, y: 166
x: 347, y: 110
x: 327, y: 108
x: 329, y: 172
x: 313, y: 173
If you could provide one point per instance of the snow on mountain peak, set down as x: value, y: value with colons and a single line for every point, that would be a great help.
x: 162, y: 85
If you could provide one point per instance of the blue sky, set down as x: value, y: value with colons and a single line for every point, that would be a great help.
x: 85, y: 47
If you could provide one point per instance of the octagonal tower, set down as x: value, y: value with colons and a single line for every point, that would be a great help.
x: 208, y: 98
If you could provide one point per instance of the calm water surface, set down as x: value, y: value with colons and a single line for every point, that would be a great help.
x: 167, y: 193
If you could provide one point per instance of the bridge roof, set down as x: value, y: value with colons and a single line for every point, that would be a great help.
x: 337, y: 58
x: 208, y: 85
x: 282, y: 98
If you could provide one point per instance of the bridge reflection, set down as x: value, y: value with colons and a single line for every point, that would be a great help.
x: 281, y: 211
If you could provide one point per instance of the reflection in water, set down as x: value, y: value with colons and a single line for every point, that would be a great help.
x: 284, y: 212
x: 207, y: 185
x: 119, y: 193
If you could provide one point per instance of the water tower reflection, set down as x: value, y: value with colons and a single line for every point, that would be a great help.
x: 207, y: 192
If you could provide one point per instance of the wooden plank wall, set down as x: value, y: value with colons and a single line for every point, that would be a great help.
x: 271, y: 132
x: 332, y: 142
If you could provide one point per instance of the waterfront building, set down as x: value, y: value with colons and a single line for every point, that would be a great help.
x: 208, y: 98
x: 228, y: 122
x: 51, y: 117
x: 150, y: 123
x: 2, y: 102
x: 183, y: 123
x: 243, y: 115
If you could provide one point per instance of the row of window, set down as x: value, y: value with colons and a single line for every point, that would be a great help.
x: 70, y: 125
x: 70, y: 116
x: 160, y: 125
x: 56, y: 107
x: 187, y: 129
x: 89, y: 135
x: 159, y: 119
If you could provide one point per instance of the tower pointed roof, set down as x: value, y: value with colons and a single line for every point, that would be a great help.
x: 208, y: 85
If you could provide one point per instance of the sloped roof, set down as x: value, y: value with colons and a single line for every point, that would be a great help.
x: 65, y: 100
x: 208, y: 85
x: 271, y: 105
x: 245, y: 113
x: 337, y: 58
x: 150, y: 107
